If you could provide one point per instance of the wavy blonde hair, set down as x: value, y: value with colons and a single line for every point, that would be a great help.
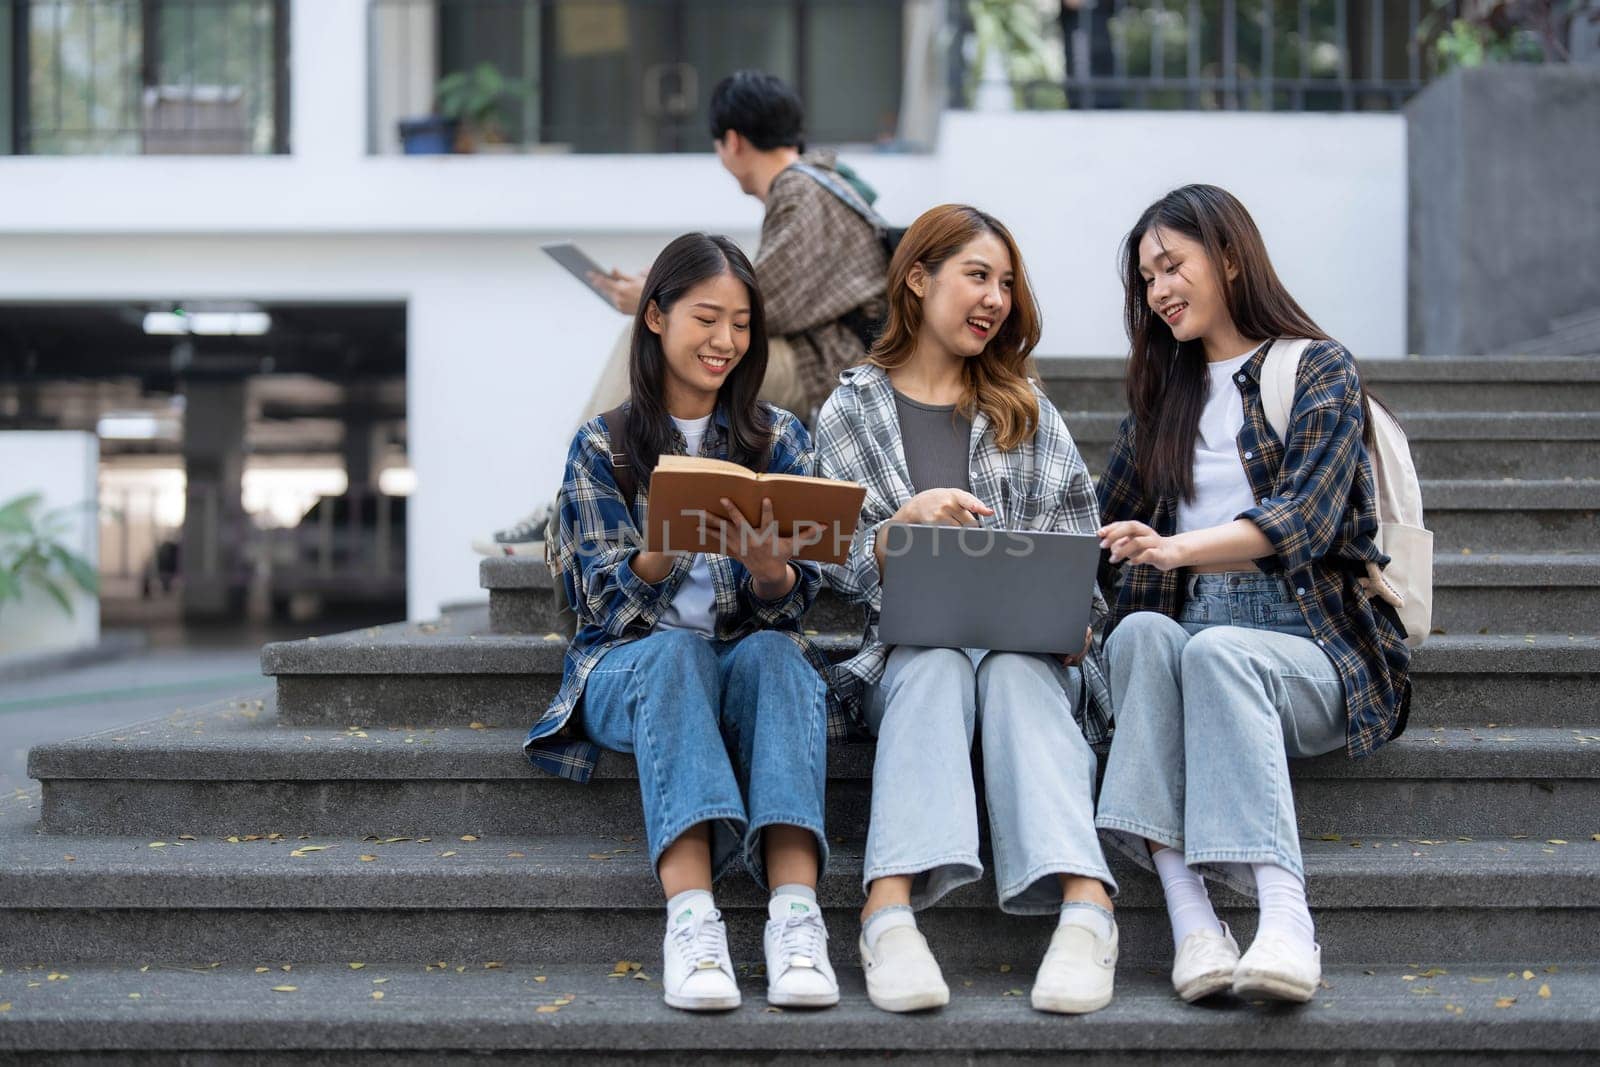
x: 995, y: 381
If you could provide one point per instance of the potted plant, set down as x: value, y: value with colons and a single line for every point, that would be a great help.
x: 475, y: 100
x: 32, y: 555
x: 1501, y: 151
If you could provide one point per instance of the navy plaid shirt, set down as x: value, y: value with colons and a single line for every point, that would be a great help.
x: 1315, y: 503
x: 599, y: 535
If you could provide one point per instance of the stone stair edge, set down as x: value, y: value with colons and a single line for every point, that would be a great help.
x: 1510, y: 368
x: 246, y: 747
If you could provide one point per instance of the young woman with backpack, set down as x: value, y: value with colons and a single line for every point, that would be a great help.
x: 1243, y: 632
x: 694, y: 663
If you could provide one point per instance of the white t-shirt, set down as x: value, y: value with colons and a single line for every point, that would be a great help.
x: 695, y: 605
x: 1221, y: 488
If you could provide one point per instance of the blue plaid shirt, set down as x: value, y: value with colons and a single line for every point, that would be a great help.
x: 1316, y: 505
x: 600, y: 534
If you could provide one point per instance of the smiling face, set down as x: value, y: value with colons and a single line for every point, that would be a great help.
x: 967, y: 299
x: 703, y: 335
x: 1181, y: 286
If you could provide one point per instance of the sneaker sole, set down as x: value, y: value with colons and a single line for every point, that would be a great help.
x: 926, y: 1000
x: 1068, y: 1005
x: 1206, y: 985
x: 802, y: 1000
x: 1274, y: 986
x: 702, y: 1003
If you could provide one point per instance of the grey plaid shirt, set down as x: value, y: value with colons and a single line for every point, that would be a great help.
x: 818, y: 261
x: 1042, y: 484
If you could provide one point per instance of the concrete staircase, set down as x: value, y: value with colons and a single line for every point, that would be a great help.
x: 362, y: 867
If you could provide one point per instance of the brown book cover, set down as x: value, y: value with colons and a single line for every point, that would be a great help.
x: 683, y: 486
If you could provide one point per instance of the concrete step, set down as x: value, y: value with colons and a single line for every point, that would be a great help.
x: 1366, y: 1013
x: 1444, y: 445
x: 1513, y: 515
x: 523, y: 599
x: 454, y: 672
x: 1500, y: 593
x: 234, y: 770
x: 306, y: 897
x: 1418, y: 384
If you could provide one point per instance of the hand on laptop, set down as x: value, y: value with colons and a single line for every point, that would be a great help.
x: 1072, y: 659
x: 622, y: 289
x: 942, y: 507
x: 1137, y: 543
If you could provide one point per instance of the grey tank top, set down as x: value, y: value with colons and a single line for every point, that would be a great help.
x: 936, y: 440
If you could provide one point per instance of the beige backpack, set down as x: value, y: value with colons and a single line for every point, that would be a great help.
x: 1407, y: 583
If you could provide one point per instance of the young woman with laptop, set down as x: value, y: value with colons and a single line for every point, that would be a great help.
x: 942, y: 426
x: 694, y: 663
x: 1242, y: 634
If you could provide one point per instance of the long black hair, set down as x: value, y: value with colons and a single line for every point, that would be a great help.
x: 682, y: 265
x: 1167, y: 380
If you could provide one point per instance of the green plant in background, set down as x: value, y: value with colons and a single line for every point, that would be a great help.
x: 476, y: 98
x: 1018, y: 31
x: 31, y: 553
x: 1456, y: 34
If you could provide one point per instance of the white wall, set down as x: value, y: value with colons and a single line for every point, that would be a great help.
x: 503, y: 346
x: 64, y: 466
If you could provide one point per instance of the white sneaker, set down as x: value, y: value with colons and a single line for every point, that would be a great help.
x: 903, y: 975
x: 1077, y: 973
x: 526, y: 538
x: 1277, y: 968
x: 1205, y: 964
x: 697, y: 974
x: 798, y: 972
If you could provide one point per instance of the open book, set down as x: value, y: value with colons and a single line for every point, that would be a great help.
x: 683, y: 486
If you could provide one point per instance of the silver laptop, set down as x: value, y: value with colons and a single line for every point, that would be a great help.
x: 979, y: 587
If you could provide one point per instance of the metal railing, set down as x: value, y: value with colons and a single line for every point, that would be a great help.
x: 1289, y: 55
x: 596, y: 76
x: 154, y: 77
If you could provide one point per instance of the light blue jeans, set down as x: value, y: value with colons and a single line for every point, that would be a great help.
x: 1208, y: 710
x: 734, y: 733
x: 1038, y: 775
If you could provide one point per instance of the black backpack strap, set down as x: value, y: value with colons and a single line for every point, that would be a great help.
x: 627, y: 478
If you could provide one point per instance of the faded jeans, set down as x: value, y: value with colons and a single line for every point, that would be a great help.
x: 1208, y: 710
x: 1038, y: 774
x: 734, y: 733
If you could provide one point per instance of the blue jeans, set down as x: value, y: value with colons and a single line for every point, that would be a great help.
x: 733, y: 733
x: 1208, y: 709
x: 1038, y: 775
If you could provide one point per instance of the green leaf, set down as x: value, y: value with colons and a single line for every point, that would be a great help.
x: 10, y: 588
x: 77, y: 568
x: 15, y: 514
x: 43, y: 581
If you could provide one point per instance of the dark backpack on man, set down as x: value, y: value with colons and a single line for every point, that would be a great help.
x: 856, y: 320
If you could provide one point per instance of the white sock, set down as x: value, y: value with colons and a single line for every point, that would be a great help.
x: 885, y: 919
x: 697, y: 902
x: 791, y: 898
x: 1188, y: 903
x: 1089, y: 915
x: 1283, y: 905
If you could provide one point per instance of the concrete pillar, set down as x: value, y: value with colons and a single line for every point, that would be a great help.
x: 215, y: 527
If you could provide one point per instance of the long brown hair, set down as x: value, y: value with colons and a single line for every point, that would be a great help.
x: 996, y: 381
x: 1167, y: 380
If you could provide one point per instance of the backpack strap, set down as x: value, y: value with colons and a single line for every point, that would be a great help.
x: 835, y: 185
x: 1278, y: 373
x: 622, y: 471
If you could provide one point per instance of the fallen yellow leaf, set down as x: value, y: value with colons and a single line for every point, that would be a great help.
x: 1433, y: 972
x: 476, y: 726
x: 469, y: 837
x: 1527, y: 976
x: 135, y: 996
x: 379, y: 981
x: 304, y: 849
x: 357, y: 966
x: 598, y: 856
x: 6, y: 1006
x: 546, y: 1009
x: 284, y: 988
x: 1544, y: 991
x: 1505, y: 1002
x: 515, y: 856
x: 448, y: 852
x: 158, y: 844
x: 286, y: 966
x: 263, y: 970
x: 1005, y: 968
x: 368, y: 859
x: 539, y: 978
x: 493, y: 965
x: 377, y: 994
x: 59, y: 977
x: 1555, y: 841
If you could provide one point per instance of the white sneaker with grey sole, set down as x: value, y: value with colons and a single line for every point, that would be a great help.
x: 697, y: 973
x: 1205, y: 964
x: 798, y: 972
x: 902, y: 974
x: 1277, y: 968
x: 1078, y: 971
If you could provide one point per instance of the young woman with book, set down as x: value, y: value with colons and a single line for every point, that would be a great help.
x: 1242, y: 634
x: 943, y: 426
x: 694, y: 663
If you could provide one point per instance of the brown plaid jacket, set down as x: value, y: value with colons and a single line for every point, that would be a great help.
x: 818, y: 261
